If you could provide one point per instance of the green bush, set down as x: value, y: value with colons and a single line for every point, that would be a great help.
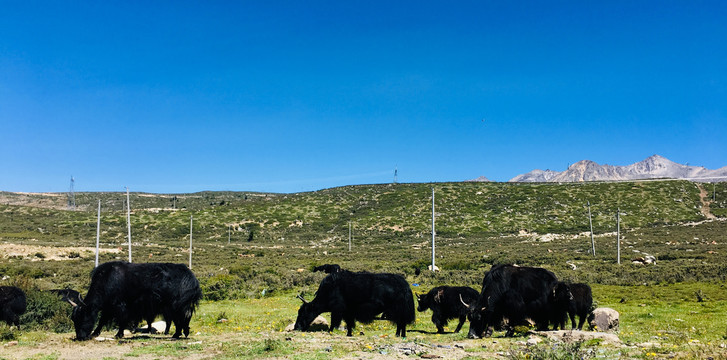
x: 221, y: 287
x: 46, y: 311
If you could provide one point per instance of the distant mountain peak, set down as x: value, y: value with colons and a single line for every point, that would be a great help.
x: 479, y: 179
x: 655, y: 166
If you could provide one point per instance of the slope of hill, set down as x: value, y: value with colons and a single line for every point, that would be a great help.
x: 383, y: 211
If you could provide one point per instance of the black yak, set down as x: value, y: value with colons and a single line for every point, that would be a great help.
x: 561, y: 301
x: 12, y: 304
x: 581, y: 305
x: 128, y: 293
x: 513, y: 292
x: 569, y: 300
x: 446, y: 303
x: 360, y: 297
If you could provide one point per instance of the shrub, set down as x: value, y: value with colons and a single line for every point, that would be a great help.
x: 46, y: 311
x: 220, y: 287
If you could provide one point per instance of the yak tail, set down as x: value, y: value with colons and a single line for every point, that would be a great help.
x: 191, y: 295
x: 410, y: 314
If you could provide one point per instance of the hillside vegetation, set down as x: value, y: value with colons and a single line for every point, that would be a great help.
x: 275, y: 239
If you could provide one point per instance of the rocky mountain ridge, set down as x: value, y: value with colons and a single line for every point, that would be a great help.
x: 653, y: 167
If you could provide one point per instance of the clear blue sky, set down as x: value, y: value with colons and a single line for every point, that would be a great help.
x: 292, y: 96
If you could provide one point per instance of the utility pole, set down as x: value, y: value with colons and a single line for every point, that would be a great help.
x: 229, y: 234
x: 128, y: 219
x: 349, y: 236
x: 98, y: 231
x: 72, y: 196
x: 190, y: 241
x: 618, y: 236
x: 433, y: 232
x: 590, y: 222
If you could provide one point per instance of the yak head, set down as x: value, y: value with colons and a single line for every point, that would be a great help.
x: 424, y: 302
x: 84, y: 317
x: 306, y: 314
x: 561, y: 295
x: 430, y: 300
x: 477, y: 317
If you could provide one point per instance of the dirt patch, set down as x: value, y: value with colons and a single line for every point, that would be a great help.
x: 704, y: 199
x: 57, y: 201
x: 38, y: 252
x: 62, y: 346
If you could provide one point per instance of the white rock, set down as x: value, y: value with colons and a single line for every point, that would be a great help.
x: 604, y: 319
x: 319, y: 324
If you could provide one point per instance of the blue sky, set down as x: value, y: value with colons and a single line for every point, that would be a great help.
x: 289, y: 96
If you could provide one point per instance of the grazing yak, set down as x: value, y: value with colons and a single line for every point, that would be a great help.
x: 12, y: 304
x: 360, y: 296
x: 513, y: 292
x: 128, y: 293
x: 569, y: 300
x: 328, y: 268
x: 446, y: 303
x: 561, y: 300
x: 581, y: 304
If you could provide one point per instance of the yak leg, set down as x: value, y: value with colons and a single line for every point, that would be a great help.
x: 149, y: 321
x: 168, y: 322
x: 178, y: 327
x: 461, y: 322
x: 336, y: 318
x: 185, y: 323
x: 438, y: 323
x: 581, y: 320
x: 10, y: 317
x: 401, y: 330
x: 350, y: 324
x: 122, y: 325
x: 101, y: 323
x: 572, y: 316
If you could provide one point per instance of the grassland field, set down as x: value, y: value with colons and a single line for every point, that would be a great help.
x: 254, y: 252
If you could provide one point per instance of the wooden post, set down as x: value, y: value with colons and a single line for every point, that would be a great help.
x: 590, y: 222
x: 190, y: 241
x: 98, y: 231
x: 128, y: 219
x: 618, y: 236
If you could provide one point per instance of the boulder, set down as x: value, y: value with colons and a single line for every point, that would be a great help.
x: 604, y: 319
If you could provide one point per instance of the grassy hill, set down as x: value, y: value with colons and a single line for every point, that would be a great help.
x: 463, y: 209
x: 272, y: 236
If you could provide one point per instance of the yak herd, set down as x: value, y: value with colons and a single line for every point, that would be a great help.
x: 511, y: 295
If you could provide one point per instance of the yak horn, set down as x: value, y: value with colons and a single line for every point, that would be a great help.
x: 72, y: 303
x: 302, y: 299
x: 462, y: 300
